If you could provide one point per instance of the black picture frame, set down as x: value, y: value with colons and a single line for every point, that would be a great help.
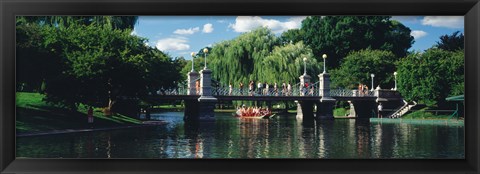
x: 9, y: 9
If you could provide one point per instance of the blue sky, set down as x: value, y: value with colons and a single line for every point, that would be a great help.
x: 181, y: 35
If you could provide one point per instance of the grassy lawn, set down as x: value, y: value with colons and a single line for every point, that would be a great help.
x: 35, y: 115
x: 422, y: 114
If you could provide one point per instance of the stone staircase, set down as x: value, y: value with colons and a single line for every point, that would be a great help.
x: 402, y: 110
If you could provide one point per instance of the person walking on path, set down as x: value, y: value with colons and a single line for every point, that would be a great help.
x: 380, y: 108
x: 90, y: 116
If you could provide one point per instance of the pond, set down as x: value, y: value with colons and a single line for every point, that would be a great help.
x: 279, y: 137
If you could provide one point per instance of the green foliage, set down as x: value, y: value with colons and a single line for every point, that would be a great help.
x: 358, y: 66
x: 198, y: 64
x: 337, y: 36
x: 285, y: 64
x: 240, y: 59
x: 112, y: 22
x: 452, y: 42
x: 81, y: 63
x: 422, y: 114
x: 259, y: 56
x: 432, y: 76
x: 292, y: 36
x: 340, y: 112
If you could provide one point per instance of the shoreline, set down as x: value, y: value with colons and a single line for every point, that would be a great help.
x: 452, y: 122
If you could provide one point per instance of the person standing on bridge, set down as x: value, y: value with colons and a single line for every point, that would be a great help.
x: 360, y: 89
x: 275, y: 89
x: 365, y: 89
x: 264, y: 88
x: 241, y: 88
x: 284, y: 88
x: 230, y: 88
x: 250, y: 87
x: 267, y: 89
x: 305, y: 89
x: 289, y: 89
x: 259, y: 88
x: 380, y: 108
x: 197, y: 86
x: 312, y: 90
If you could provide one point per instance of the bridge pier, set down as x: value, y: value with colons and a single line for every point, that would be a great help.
x: 191, y: 112
x: 201, y: 109
x: 325, y: 109
x: 365, y: 109
x: 206, y: 101
x: 305, y: 110
x: 326, y: 105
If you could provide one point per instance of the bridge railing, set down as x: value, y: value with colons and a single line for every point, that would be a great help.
x: 311, y: 91
x: 173, y: 91
x: 351, y: 93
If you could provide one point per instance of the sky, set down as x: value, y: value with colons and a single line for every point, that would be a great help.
x: 181, y: 35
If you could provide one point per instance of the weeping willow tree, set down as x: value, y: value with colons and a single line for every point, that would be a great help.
x: 241, y: 59
x: 285, y: 64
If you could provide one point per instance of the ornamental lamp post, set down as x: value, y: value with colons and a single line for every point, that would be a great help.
x: 193, y: 57
x: 372, y: 75
x: 324, y: 56
x: 205, y: 51
x: 304, y: 66
x: 395, y: 75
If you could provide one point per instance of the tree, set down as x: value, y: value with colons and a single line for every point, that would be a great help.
x: 198, y: 65
x: 91, y: 64
x: 114, y: 22
x: 432, y: 76
x: 358, y: 66
x: 452, y: 42
x: 336, y: 36
x: 285, y: 64
x: 292, y: 36
x: 240, y: 59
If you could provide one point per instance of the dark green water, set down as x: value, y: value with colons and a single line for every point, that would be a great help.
x: 229, y: 137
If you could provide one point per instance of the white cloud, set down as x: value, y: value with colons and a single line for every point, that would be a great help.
x: 187, y: 31
x: 418, y: 34
x: 207, y: 28
x: 407, y: 19
x: 173, y: 44
x: 444, y: 21
x: 248, y: 23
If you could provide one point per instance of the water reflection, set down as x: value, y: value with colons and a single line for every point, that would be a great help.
x: 229, y: 137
